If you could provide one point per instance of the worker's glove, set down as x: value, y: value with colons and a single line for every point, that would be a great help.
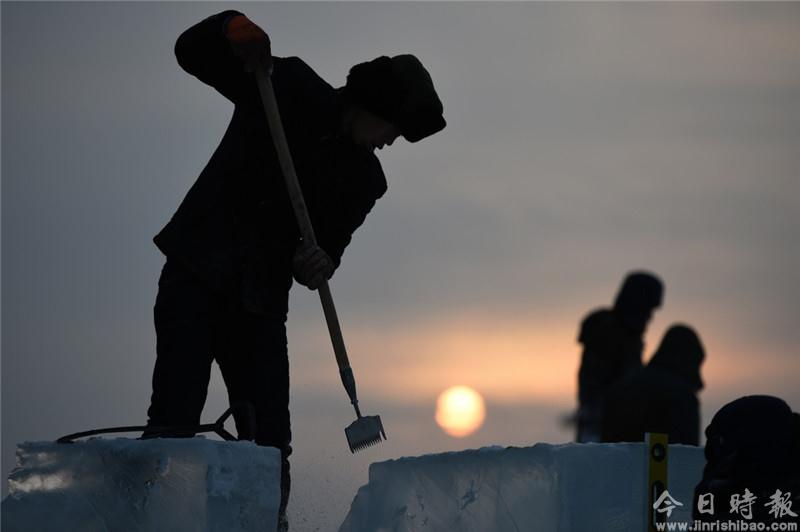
x: 311, y: 265
x: 249, y: 43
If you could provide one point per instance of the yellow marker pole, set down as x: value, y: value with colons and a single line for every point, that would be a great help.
x: 657, y: 458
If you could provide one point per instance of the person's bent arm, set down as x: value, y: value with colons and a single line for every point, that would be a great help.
x: 222, y: 51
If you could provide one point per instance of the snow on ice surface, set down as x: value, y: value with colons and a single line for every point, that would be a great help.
x: 131, y: 485
x: 552, y: 488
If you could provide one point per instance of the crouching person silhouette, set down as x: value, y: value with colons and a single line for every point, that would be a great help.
x: 752, y: 465
x: 233, y: 246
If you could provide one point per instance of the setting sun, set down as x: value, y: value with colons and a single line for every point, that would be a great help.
x: 460, y: 411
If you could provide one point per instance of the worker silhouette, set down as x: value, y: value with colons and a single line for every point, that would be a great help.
x: 612, y: 341
x: 233, y: 247
x: 752, y: 469
x: 661, y: 397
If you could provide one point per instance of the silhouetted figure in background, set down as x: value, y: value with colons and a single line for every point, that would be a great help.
x: 233, y: 246
x: 612, y: 346
x: 752, y: 446
x: 661, y: 397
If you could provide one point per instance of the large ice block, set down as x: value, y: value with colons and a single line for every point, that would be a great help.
x: 129, y: 485
x: 548, y: 488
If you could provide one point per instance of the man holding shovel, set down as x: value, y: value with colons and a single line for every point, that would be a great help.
x: 234, y: 246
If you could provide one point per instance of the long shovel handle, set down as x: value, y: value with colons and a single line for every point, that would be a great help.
x: 304, y: 223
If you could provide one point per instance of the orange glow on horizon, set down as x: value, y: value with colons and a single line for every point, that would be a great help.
x: 525, y: 359
x: 507, y: 361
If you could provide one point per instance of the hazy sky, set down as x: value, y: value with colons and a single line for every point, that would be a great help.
x: 584, y: 140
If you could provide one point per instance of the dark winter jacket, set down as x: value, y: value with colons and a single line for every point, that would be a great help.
x: 235, y: 228
x: 661, y: 397
x: 610, y: 351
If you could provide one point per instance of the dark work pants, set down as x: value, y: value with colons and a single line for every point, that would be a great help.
x: 194, y: 327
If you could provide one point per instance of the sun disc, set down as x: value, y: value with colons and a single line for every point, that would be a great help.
x: 460, y: 411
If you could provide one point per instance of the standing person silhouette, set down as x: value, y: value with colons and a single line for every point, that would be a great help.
x: 662, y: 396
x: 613, y: 342
x: 233, y: 246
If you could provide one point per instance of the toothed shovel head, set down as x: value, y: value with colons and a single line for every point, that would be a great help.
x: 364, y: 432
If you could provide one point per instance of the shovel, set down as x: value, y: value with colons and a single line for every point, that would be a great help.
x: 365, y: 430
